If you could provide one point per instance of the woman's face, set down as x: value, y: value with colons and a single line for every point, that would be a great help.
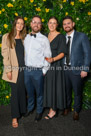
x: 52, y: 24
x: 19, y: 25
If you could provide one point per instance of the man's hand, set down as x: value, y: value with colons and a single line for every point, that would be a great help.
x: 83, y: 74
x: 9, y: 75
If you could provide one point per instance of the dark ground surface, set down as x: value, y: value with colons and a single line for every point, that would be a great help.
x: 60, y: 126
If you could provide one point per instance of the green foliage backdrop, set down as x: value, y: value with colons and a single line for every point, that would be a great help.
x: 80, y: 10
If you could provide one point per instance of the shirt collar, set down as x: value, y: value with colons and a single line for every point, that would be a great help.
x: 37, y: 33
x: 72, y: 34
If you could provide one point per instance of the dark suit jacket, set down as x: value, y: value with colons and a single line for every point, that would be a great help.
x: 80, y: 53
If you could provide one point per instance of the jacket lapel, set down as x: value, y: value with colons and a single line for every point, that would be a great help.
x: 73, y: 41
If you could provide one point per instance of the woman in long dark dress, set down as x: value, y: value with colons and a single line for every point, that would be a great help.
x: 13, y: 60
x: 54, y: 86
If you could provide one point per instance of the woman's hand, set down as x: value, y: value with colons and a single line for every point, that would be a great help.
x: 50, y: 60
x: 9, y: 75
x: 58, y: 57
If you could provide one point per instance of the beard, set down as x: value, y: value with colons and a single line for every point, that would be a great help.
x: 35, y: 30
x: 69, y: 30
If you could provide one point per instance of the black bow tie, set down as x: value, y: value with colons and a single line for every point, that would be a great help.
x: 33, y: 35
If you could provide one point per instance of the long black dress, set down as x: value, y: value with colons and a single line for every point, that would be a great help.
x: 54, y: 84
x: 18, y: 95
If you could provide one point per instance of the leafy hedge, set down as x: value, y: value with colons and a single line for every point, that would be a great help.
x: 80, y: 10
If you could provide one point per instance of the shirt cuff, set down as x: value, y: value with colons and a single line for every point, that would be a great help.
x: 44, y: 71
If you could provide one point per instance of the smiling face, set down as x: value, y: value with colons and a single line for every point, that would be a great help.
x: 68, y: 25
x: 19, y: 25
x: 52, y: 24
x: 36, y: 24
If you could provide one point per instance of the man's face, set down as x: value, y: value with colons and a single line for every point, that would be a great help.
x: 68, y: 25
x: 36, y: 24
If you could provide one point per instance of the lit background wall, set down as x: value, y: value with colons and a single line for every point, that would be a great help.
x: 80, y: 10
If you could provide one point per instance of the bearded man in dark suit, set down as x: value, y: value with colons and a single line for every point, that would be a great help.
x: 76, y: 65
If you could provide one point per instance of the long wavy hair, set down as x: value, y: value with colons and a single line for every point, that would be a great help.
x: 12, y: 34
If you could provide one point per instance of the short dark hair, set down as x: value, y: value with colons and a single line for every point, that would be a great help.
x: 68, y: 17
x: 37, y: 16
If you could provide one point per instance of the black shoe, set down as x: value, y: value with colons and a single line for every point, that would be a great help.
x: 65, y: 112
x: 76, y: 116
x: 38, y: 117
x: 27, y: 113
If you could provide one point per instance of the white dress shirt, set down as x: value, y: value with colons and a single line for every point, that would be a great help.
x: 36, y: 49
x: 71, y: 39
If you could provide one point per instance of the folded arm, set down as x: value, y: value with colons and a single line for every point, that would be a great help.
x: 5, y: 51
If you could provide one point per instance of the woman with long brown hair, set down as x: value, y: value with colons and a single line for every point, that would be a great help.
x: 13, y: 60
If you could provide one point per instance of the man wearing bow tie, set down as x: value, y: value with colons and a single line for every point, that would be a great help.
x: 77, y: 62
x: 37, y: 47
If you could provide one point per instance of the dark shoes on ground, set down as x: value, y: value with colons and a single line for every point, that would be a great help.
x: 75, y: 115
x: 38, y: 117
x: 27, y: 113
x: 66, y: 111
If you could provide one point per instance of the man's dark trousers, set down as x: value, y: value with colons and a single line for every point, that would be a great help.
x: 34, y: 80
x: 73, y: 82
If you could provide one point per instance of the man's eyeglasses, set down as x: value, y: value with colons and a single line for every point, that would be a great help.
x: 38, y: 23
